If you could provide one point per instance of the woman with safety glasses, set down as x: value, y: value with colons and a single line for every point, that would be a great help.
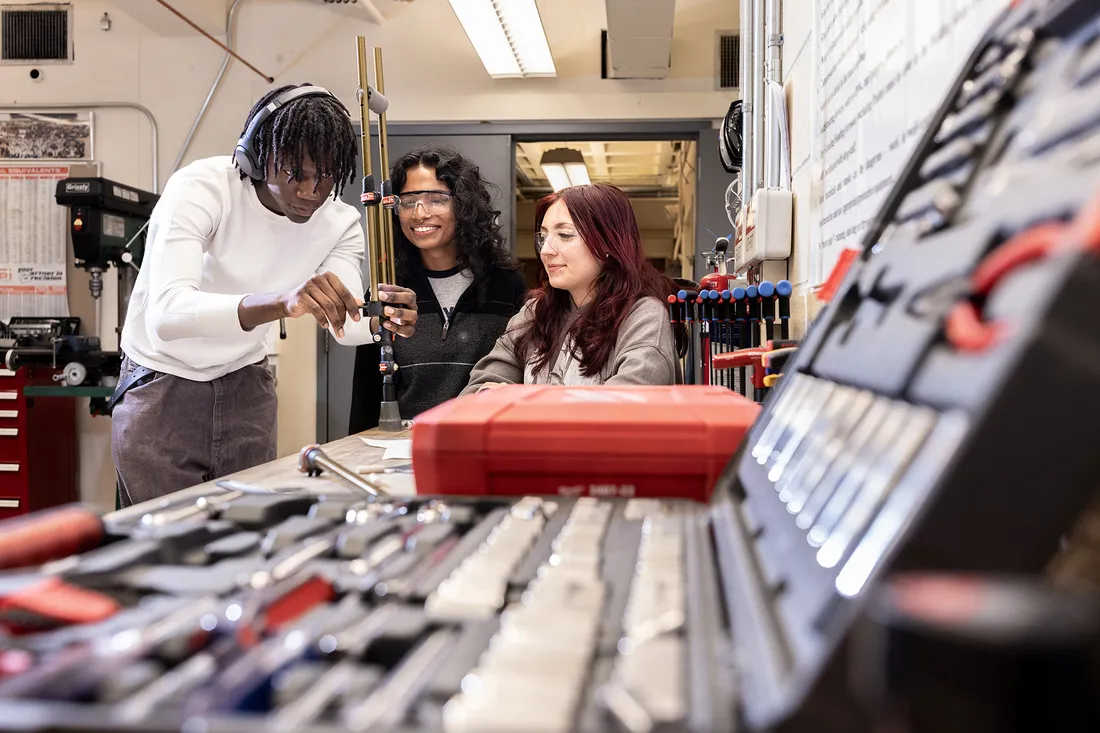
x: 600, y: 316
x: 449, y: 249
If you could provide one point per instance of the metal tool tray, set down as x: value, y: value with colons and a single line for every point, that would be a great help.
x: 974, y: 458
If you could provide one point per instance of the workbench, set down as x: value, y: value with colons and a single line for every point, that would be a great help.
x: 283, y: 473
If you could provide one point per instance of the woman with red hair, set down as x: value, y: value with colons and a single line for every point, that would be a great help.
x: 600, y: 316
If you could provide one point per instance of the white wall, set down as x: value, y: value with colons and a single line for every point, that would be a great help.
x: 846, y: 148
x: 799, y: 55
x: 432, y: 74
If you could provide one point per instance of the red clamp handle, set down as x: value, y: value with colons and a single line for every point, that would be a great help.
x: 739, y: 358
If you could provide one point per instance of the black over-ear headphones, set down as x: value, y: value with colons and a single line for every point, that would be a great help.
x: 245, y: 152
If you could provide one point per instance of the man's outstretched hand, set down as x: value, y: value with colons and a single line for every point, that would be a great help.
x: 325, y: 298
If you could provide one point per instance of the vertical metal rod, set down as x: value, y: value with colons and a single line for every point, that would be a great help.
x: 759, y: 93
x: 772, y: 73
x: 384, y: 163
x: 369, y: 196
x: 748, y: 109
x: 379, y: 236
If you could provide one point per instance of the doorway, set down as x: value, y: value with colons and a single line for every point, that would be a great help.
x: 661, y: 164
x: 657, y: 175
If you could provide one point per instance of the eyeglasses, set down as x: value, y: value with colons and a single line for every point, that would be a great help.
x: 433, y: 202
x: 560, y: 241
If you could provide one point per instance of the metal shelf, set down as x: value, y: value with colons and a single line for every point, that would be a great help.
x: 44, y: 391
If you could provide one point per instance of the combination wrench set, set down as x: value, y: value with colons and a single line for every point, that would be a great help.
x: 919, y: 427
x: 299, y: 613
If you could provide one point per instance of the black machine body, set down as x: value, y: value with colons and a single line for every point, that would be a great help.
x: 105, y: 219
x: 56, y: 343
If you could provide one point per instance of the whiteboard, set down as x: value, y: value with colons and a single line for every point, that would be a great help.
x: 882, y: 69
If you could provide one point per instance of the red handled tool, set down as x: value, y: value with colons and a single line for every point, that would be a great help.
x: 687, y: 300
x: 965, y: 327
x: 49, y: 535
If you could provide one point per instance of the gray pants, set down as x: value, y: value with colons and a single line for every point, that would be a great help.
x: 170, y: 433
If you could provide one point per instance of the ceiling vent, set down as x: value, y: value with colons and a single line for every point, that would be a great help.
x: 36, y: 34
x: 358, y: 9
x: 728, y: 57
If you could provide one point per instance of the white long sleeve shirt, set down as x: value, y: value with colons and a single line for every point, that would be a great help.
x: 210, y: 243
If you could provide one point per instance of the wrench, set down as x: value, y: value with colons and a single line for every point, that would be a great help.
x: 312, y: 460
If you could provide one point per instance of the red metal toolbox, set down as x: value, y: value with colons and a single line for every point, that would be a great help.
x: 581, y: 441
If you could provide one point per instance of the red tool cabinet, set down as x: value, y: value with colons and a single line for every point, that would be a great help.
x: 38, y: 451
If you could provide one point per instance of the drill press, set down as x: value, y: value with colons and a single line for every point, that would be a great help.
x: 107, y: 223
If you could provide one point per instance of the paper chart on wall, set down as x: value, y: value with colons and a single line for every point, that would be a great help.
x: 882, y: 70
x: 33, y: 241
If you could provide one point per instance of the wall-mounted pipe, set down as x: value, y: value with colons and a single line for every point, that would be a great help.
x: 759, y: 90
x: 76, y: 107
x: 773, y: 73
x: 230, y: 18
x: 748, y: 111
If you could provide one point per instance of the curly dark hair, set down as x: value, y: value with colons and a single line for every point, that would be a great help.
x: 318, y: 126
x: 480, y: 242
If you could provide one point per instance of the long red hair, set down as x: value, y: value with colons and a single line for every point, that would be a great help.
x: 605, y: 221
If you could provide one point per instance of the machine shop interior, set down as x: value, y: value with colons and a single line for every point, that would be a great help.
x: 546, y: 366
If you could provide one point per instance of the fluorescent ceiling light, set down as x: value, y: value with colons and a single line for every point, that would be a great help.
x: 508, y: 37
x: 564, y: 167
x: 557, y: 175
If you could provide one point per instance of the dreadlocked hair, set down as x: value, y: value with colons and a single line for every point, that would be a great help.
x: 318, y: 126
x: 480, y: 243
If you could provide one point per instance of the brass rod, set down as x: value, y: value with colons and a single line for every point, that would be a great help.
x: 384, y: 171
x: 372, y: 234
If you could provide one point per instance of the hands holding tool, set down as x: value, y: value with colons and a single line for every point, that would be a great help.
x: 327, y: 299
x: 401, y: 312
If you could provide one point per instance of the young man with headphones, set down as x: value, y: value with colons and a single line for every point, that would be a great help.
x: 234, y: 244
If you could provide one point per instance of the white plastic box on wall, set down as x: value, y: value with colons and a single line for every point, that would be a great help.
x: 766, y: 228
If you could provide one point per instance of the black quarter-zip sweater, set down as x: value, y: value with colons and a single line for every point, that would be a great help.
x: 434, y: 364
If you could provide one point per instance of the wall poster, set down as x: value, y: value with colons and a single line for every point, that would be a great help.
x: 46, y: 136
x: 882, y: 70
x: 33, y: 241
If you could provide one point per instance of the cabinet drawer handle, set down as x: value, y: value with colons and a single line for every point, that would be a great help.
x: 6, y: 373
x: 9, y: 432
x: 9, y: 394
x: 9, y: 503
x: 9, y: 414
x: 9, y: 467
